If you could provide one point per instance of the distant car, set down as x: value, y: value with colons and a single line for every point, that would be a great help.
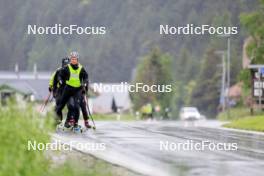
x: 190, y: 113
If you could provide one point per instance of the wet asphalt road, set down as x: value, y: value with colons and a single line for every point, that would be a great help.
x: 137, y: 146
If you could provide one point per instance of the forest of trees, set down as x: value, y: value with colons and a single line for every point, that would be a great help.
x: 132, y: 31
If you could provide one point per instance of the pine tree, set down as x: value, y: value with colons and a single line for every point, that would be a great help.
x: 153, y: 69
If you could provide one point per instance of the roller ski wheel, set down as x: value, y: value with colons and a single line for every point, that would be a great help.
x: 59, y: 127
x: 77, y: 129
x: 65, y: 129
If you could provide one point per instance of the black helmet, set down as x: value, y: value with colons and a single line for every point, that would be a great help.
x: 65, y: 61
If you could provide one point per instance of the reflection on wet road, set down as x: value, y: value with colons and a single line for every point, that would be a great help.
x: 137, y: 146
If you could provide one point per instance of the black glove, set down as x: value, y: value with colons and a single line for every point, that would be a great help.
x: 54, y: 92
x: 54, y: 95
x: 83, y: 91
x: 50, y: 89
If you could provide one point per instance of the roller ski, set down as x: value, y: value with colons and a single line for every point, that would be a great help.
x: 87, y: 126
x: 77, y: 128
x: 69, y: 126
x: 64, y: 128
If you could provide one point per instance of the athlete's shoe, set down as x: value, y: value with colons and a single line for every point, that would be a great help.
x: 72, y: 121
x: 86, y: 124
x: 67, y: 125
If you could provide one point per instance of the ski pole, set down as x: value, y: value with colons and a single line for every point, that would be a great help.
x: 89, y: 112
x: 45, y: 103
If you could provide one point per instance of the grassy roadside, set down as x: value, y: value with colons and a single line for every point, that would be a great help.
x: 234, y: 114
x: 254, y: 123
x: 83, y: 162
x: 114, y: 117
x: 240, y: 119
x: 18, y: 126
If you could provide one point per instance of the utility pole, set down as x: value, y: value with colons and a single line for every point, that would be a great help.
x: 223, y: 84
x: 223, y: 81
x: 228, y: 75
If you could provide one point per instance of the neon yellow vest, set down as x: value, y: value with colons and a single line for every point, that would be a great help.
x: 74, y: 79
x: 52, y: 80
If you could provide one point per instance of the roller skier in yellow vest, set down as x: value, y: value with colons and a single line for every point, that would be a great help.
x: 75, y: 78
x: 57, y: 89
